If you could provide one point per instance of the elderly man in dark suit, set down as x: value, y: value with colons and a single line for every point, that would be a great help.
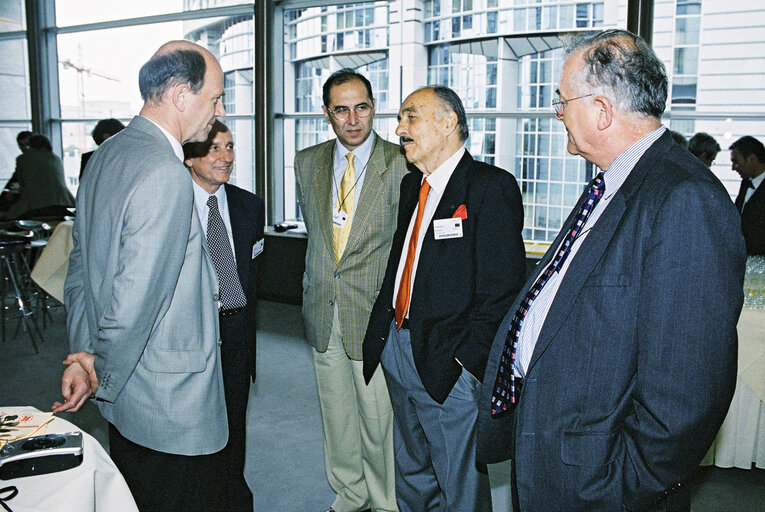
x: 747, y: 156
x: 456, y: 263
x: 613, y: 370
x: 233, y: 222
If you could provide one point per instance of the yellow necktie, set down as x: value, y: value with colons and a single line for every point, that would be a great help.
x: 345, y: 199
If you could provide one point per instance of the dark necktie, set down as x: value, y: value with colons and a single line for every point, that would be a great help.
x: 404, y: 286
x: 231, y: 294
x: 504, y: 393
x: 746, y: 184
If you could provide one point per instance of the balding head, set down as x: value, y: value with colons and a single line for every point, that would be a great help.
x: 173, y: 63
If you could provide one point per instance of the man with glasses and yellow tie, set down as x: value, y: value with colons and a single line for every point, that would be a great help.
x: 349, y: 190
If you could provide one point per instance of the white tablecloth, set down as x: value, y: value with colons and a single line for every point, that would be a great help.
x: 741, y: 440
x: 95, y: 485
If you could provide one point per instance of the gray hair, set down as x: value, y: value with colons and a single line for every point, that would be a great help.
x: 621, y: 67
x: 168, y: 69
x: 703, y: 143
x: 451, y: 103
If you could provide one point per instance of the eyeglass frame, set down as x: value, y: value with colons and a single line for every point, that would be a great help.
x: 346, y: 114
x: 562, y: 102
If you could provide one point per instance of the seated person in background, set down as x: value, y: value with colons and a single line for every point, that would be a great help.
x: 42, y: 189
x: 11, y: 190
x: 22, y: 139
x: 704, y: 147
x: 104, y: 129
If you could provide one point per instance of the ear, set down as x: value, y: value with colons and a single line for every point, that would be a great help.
x: 188, y: 164
x: 326, y: 114
x: 605, y: 112
x: 450, y: 122
x: 179, y: 96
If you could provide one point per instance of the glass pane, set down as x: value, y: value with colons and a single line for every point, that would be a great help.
x: 9, y: 150
x: 14, y: 100
x: 12, y: 16
x: 687, y: 30
x: 75, y: 12
x: 686, y: 60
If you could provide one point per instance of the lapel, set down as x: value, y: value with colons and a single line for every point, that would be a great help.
x: 593, y: 248
x: 454, y: 195
x: 369, y: 197
x: 239, y: 232
x: 322, y: 191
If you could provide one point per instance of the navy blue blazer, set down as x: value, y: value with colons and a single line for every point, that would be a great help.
x: 463, y: 285
x: 635, y: 365
x: 246, y: 212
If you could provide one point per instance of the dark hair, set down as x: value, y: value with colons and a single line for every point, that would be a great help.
x: 679, y: 138
x: 622, y: 67
x: 451, y: 102
x: 23, y: 135
x: 703, y: 143
x: 105, y: 128
x: 199, y: 149
x: 168, y: 69
x: 341, y: 77
x: 748, y: 145
x: 37, y: 141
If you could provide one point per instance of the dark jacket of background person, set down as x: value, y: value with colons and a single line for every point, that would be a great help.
x: 40, y: 175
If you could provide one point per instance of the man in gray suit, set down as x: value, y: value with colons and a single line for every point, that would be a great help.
x: 348, y: 190
x: 142, y: 294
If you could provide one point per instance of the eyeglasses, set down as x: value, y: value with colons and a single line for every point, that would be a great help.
x: 560, y: 104
x: 343, y: 113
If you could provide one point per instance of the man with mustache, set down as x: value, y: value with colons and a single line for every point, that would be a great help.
x: 455, y: 266
x: 142, y: 294
x: 348, y: 191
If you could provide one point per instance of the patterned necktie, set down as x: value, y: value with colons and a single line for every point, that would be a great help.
x: 345, y: 199
x: 231, y: 294
x: 504, y: 386
x: 402, y: 299
x: 746, y: 184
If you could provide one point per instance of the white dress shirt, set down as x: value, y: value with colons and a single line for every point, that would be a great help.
x: 203, y: 211
x: 537, y: 313
x: 438, y: 180
x: 361, y: 159
x: 756, y: 182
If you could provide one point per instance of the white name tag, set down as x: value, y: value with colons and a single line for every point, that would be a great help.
x: 339, y: 218
x: 257, y: 248
x: 447, y: 228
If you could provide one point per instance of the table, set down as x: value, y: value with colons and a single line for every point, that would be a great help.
x: 95, y: 485
x: 741, y: 440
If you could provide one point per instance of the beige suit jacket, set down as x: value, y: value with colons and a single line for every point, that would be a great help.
x: 353, y: 282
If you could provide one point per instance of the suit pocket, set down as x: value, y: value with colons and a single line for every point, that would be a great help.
x: 588, y: 448
x: 174, y: 361
x: 601, y: 280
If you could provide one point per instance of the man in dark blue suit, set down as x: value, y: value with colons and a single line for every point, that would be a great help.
x: 609, y: 379
x: 240, y: 235
x: 456, y: 263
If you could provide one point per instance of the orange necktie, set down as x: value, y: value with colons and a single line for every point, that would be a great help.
x: 402, y: 299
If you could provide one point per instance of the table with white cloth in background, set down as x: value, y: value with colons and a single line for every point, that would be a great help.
x: 95, y: 485
x: 741, y: 440
x: 50, y: 269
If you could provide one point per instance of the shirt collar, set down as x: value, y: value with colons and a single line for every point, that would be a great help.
x: 201, y: 196
x: 361, y: 153
x: 624, y: 163
x: 439, y: 178
x: 759, y: 179
x: 177, y: 148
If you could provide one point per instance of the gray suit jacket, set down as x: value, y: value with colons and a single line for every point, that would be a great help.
x: 353, y: 282
x: 141, y: 294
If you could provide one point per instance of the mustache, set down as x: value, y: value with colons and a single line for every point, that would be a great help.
x: 403, y: 140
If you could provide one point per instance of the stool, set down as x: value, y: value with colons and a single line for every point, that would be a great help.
x: 12, y: 270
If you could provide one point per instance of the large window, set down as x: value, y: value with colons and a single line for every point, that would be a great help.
x: 14, y: 101
x: 98, y: 66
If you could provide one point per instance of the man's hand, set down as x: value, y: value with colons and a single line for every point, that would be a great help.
x: 78, y: 383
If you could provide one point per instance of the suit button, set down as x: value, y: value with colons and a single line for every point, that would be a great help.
x: 337, y: 275
x: 331, y: 302
x: 215, y: 297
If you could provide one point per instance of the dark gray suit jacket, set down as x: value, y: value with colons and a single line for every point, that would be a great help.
x: 635, y: 366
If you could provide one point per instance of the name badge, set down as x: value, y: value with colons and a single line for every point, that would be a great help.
x: 447, y: 228
x: 339, y: 218
x: 257, y: 248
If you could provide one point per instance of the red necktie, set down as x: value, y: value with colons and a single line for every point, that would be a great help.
x: 402, y: 299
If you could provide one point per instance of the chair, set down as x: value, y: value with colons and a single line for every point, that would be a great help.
x: 12, y: 271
